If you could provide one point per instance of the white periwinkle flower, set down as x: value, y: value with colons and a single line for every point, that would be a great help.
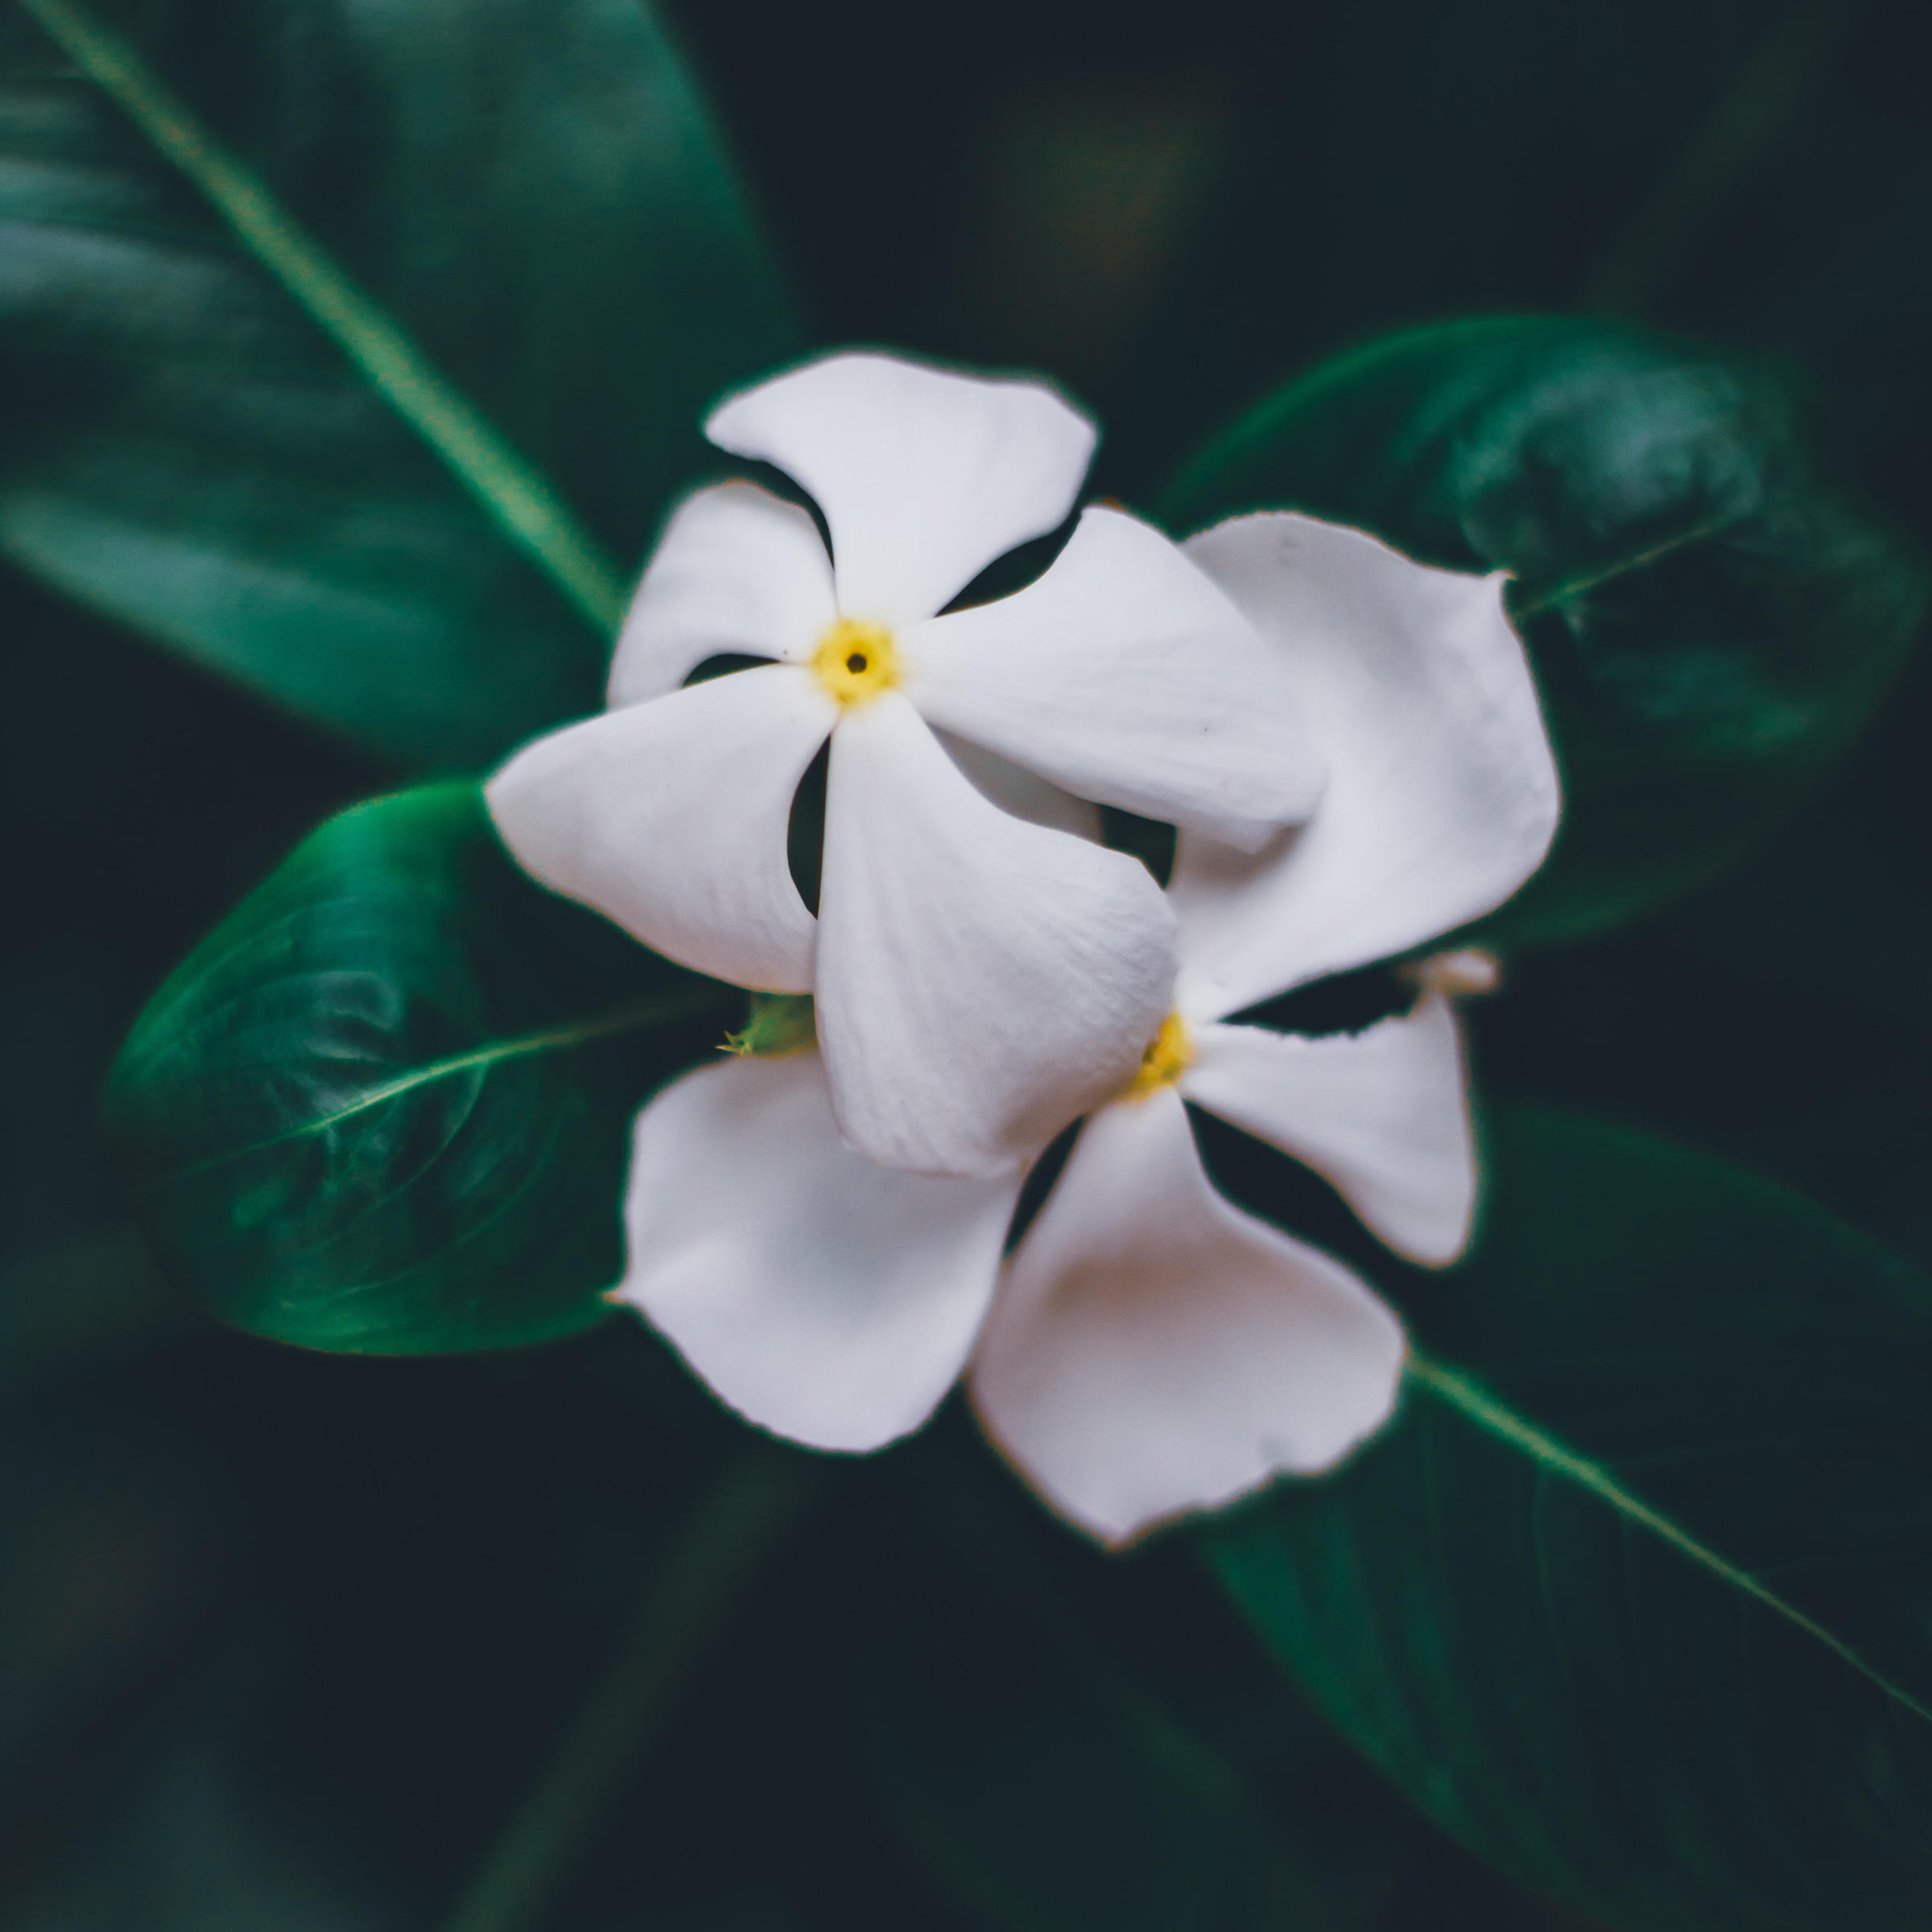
x: 1152, y: 1348
x: 981, y: 978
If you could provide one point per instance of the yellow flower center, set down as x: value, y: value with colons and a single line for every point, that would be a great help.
x: 1169, y: 1055
x: 857, y: 661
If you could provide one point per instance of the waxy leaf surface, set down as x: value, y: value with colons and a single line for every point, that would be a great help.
x: 1711, y: 612
x: 532, y: 200
x: 1635, y: 1595
x: 385, y: 1107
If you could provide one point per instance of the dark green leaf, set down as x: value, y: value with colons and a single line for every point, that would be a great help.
x: 1054, y: 1780
x: 1711, y: 612
x: 297, y: 1569
x: 188, y: 1849
x: 384, y: 1107
x: 1635, y: 1597
x: 387, y: 448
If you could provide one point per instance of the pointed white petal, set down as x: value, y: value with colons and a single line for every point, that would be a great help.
x: 1442, y: 796
x: 739, y: 571
x: 825, y: 1298
x: 924, y: 476
x: 1155, y: 1350
x: 1382, y: 1115
x: 671, y: 817
x: 1124, y: 675
x: 1024, y: 793
x: 980, y: 980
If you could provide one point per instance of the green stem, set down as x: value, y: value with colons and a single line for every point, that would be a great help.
x: 739, y: 1526
x: 512, y: 490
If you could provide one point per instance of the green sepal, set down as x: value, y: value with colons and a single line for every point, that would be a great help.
x: 776, y: 1024
x: 1711, y: 612
x: 1635, y: 1595
x: 384, y: 1107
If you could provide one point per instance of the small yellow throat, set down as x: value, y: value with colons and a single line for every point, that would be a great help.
x: 857, y: 661
x: 1169, y: 1055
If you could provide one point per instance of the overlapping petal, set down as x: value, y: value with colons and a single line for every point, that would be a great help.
x: 737, y: 572
x: 1155, y: 1350
x: 669, y: 818
x: 1125, y: 675
x: 1023, y: 793
x: 1382, y: 1115
x: 1442, y: 796
x: 826, y: 1299
x: 923, y: 477
x: 980, y: 980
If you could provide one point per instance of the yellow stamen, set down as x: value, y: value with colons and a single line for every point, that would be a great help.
x: 1169, y: 1055
x: 857, y: 661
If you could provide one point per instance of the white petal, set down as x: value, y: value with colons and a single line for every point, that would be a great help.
x: 980, y: 980
x: 1382, y: 1115
x: 1023, y: 793
x: 738, y: 572
x: 826, y: 1300
x: 1442, y: 796
x: 1155, y: 1350
x: 670, y: 819
x: 1125, y: 675
x: 924, y: 476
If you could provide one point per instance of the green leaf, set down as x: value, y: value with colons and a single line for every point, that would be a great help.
x: 385, y: 1106
x: 1635, y: 1597
x: 1027, y: 1755
x: 192, y: 1847
x: 356, y: 352
x: 1711, y: 613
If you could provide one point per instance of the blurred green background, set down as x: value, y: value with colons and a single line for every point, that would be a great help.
x: 281, y: 1635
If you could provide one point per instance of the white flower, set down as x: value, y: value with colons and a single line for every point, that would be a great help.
x: 827, y: 1298
x: 1155, y: 1349
x: 980, y: 979
x: 1152, y: 1348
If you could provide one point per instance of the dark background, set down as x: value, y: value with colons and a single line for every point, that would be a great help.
x: 281, y: 1635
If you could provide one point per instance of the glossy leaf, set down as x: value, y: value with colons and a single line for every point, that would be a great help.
x: 1635, y: 1597
x: 385, y: 1106
x: 1711, y: 612
x: 388, y: 448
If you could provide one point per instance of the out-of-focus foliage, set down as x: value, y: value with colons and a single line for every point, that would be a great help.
x: 1633, y: 1596
x: 1029, y: 1756
x: 385, y: 1107
x: 284, y: 1635
x: 1711, y: 614
x: 534, y: 193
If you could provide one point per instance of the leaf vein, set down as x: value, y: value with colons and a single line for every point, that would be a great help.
x: 577, y: 1033
x: 512, y: 489
x: 1624, y: 566
x: 1463, y: 1394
